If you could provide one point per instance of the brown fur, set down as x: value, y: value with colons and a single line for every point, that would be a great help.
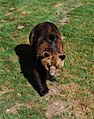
x: 46, y: 40
x: 46, y: 46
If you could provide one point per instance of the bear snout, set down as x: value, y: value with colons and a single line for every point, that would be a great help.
x: 52, y: 71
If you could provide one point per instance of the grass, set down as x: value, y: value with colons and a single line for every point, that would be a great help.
x: 75, y: 87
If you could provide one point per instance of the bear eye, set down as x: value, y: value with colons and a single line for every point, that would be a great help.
x: 46, y: 54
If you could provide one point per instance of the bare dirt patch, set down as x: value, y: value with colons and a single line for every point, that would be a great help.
x: 76, y: 104
x: 54, y: 88
x: 56, y: 108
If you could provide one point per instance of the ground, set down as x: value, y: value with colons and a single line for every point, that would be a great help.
x: 72, y: 95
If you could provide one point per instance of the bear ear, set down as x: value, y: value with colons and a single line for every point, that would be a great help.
x: 62, y: 57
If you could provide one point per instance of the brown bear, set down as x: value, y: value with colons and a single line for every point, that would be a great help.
x: 46, y: 45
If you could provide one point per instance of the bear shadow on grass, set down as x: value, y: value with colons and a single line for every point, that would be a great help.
x: 27, y: 65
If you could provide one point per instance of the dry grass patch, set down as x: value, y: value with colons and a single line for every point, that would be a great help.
x: 5, y: 91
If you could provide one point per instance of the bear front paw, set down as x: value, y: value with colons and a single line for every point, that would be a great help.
x: 43, y: 90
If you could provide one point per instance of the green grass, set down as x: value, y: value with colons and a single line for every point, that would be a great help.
x: 76, y: 85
